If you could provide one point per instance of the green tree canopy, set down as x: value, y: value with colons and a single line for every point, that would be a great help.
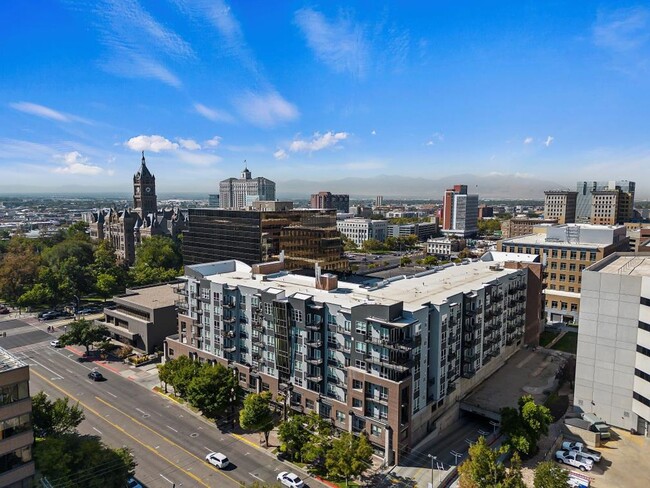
x: 54, y: 417
x: 319, y: 442
x: 482, y: 469
x: 72, y: 461
x: 83, y: 333
x: 257, y: 414
x: 293, y: 436
x: 550, y: 475
x: 349, y: 456
x: 19, y: 268
x: 157, y: 259
x: 212, y: 389
x: 524, y: 427
x: 39, y: 294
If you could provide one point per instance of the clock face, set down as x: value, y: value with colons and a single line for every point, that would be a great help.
x: 148, y: 189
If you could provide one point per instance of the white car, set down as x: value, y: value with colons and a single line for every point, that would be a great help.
x: 290, y: 479
x: 580, y: 448
x: 573, y: 458
x: 217, y: 459
x: 55, y: 343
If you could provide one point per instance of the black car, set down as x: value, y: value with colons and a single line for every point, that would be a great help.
x: 52, y: 315
x: 95, y: 376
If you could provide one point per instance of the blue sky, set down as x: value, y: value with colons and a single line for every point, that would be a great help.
x: 318, y: 91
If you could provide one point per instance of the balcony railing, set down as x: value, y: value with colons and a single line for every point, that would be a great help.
x: 315, y: 361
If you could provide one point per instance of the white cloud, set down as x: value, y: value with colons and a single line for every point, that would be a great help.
x: 214, y: 142
x: 373, y: 132
x: 198, y: 159
x: 622, y: 30
x: 318, y: 142
x: 213, y: 114
x: 151, y: 143
x: 76, y: 164
x: 46, y: 112
x: 340, y: 44
x: 280, y: 154
x: 528, y: 140
x: 267, y: 109
x: 549, y: 140
x: 434, y: 139
x: 189, y: 144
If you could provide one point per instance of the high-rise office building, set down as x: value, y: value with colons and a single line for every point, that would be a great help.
x: 390, y: 359
x: 605, y: 202
x: 613, y: 358
x: 359, y: 230
x: 560, y: 205
x: 379, y: 201
x: 213, y: 200
x: 459, y: 212
x: 565, y: 251
x: 307, y: 237
x: 238, y: 193
x: 325, y: 199
x: 17, y: 467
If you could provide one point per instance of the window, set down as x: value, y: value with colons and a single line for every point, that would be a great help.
x: 360, y: 326
x: 553, y: 265
x: 356, y: 403
x: 554, y: 253
x: 643, y: 350
x: 13, y: 393
x: 359, y: 364
x: 642, y: 374
x: 554, y: 304
x: 645, y: 301
x: 574, y: 254
x: 572, y: 267
x: 641, y: 398
x: 553, y: 276
x: 340, y: 417
x: 583, y: 255
x: 562, y: 277
x: 644, y: 326
x: 357, y: 384
x: 375, y: 430
x: 15, y: 458
x: 592, y: 256
x: 562, y: 266
x: 563, y: 254
x: 360, y: 347
x: 309, y: 403
x: 564, y: 305
x: 296, y: 315
x: 267, y: 308
x: 347, y: 326
x: 15, y: 425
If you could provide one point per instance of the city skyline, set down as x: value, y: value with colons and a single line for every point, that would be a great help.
x: 554, y: 93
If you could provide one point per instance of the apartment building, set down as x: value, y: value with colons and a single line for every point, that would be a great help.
x: 392, y: 359
x: 16, y: 433
x: 613, y: 358
x: 605, y: 202
x: 307, y: 237
x: 423, y: 230
x: 238, y: 193
x: 325, y: 199
x: 459, y: 212
x: 560, y: 205
x: 566, y: 250
x: 360, y: 230
x: 520, y: 226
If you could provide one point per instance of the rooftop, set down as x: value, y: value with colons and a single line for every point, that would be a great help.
x: 150, y: 296
x: 8, y: 361
x: 626, y: 264
x: 433, y: 286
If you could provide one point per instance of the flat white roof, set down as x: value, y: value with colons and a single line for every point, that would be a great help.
x: 509, y: 256
x: 628, y: 265
x: 434, y: 287
x: 541, y: 240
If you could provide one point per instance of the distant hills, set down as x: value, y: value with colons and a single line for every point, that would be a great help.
x: 491, y: 186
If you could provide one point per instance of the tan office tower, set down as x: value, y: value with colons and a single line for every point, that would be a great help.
x: 560, y: 205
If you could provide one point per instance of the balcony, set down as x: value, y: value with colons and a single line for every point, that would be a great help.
x: 257, y: 325
x: 315, y: 361
x: 314, y: 343
x: 333, y: 345
x: 228, y: 334
x: 229, y: 320
x: 180, y: 289
x: 228, y: 305
x: 257, y: 341
x: 315, y: 377
x: 314, y: 327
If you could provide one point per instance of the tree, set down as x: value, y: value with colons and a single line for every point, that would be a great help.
x: 524, y: 427
x: 405, y: 261
x: 550, y: 475
x: 348, y: 244
x: 482, y: 468
x: 349, y: 457
x: 39, y: 294
x: 83, y: 333
x: 319, y: 442
x: 430, y: 261
x: 55, y: 417
x: 157, y: 259
x: 213, y: 389
x: 372, y: 245
x: 293, y: 436
x: 72, y: 461
x: 257, y: 414
x: 19, y: 269
x: 184, y: 370
x: 106, y: 285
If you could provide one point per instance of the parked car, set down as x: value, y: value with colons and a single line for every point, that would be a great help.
x: 96, y: 376
x: 55, y: 343
x: 133, y: 483
x: 51, y: 315
x: 290, y: 479
x: 4, y: 310
x: 582, y: 449
x: 575, y: 459
x: 217, y: 459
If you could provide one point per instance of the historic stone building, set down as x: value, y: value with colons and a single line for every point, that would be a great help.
x: 126, y: 228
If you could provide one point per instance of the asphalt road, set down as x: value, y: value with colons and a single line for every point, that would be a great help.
x: 169, y: 443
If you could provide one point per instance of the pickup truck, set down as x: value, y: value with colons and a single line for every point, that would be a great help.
x: 575, y: 459
x: 579, y: 447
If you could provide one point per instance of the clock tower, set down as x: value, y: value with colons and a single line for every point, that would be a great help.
x: 144, y: 190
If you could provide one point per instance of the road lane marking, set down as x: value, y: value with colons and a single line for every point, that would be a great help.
x: 207, y: 448
x: 136, y: 421
x: 114, y: 396
x: 121, y: 429
x: 171, y: 428
x: 45, y: 367
x: 69, y: 371
x: 168, y: 480
x: 98, y: 431
x: 141, y: 411
x: 256, y: 477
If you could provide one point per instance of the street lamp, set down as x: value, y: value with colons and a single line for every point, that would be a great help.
x: 433, y: 458
x: 287, y: 394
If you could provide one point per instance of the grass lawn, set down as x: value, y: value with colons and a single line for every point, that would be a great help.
x: 568, y: 343
x: 546, y: 337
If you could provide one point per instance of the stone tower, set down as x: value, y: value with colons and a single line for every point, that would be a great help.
x: 144, y: 191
